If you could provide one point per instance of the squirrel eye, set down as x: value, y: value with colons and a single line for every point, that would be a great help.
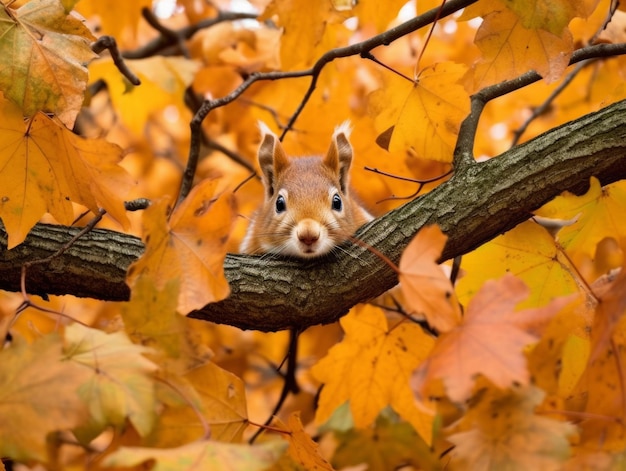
x: 281, y: 204
x: 337, y: 204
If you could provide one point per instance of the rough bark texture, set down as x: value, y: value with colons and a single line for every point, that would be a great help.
x: 480, y: 202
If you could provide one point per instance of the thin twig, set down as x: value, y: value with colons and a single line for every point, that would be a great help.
x: 464, y: 150
x: 290, y: 384
x: 175, y: 37
x: 421, y: 183
x: 541, y: 109
x: 164, y: 42
x: 108, y: 42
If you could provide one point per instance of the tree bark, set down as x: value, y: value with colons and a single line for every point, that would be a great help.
x: 478, y: 203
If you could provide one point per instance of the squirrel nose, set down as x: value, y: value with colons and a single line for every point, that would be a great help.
x: 308, y: 232
x: 308, y: 238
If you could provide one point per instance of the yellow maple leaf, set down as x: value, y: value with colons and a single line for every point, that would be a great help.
x: 490, y: 341
x: 425, y: 115
x: 44, y: 167
x: 163, y: 84
x: 191, y: 247
x: 426, y: 288
x: 207, y: 455
x: 510, y: 49
x: 371, y: 368
x: 506, y: 433
x: 43, y: 57
x: 38, y: 395
x: 120, y: 385
x: 378, y: 14
x: 600, y: 214
x: 304, y: 24
x: 302, y: 449
x: 527, y: 251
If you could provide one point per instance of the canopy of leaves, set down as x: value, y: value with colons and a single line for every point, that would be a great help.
x: 515, y: 363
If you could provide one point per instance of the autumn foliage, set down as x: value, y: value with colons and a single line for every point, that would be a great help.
x: 515, y: 361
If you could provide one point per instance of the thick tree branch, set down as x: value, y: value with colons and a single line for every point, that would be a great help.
x: 477, y: 204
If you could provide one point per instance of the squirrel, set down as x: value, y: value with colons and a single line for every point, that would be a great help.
x: 308, y: 208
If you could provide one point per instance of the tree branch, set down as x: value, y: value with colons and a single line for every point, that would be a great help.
x: 477, y: 204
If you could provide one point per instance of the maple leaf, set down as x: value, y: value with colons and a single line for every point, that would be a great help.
x: 371, y: 368
x: 527, y: 251
x: 599, y: 212
x: 43, y: 53
x: 38, y: 395
x: 510, y: 49
x: 44, y: 167
x: 378, y: 14
x: 192, y: 247
x: 304, y: 24
x: 120, y: 386
x: 425, y: 115
x: 426, y: 288
x: 490, y: 341
x: 215, y: 456
x: 302, y: 449
x: 549, y: 15
x: 506, y: 434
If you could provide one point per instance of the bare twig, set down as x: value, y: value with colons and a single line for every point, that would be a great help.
x: 420, y: 183
x: 108, y: 42
x: 167, y: 41
x: 539, y: 110
x: 290, y: 384
x: 464, y: 151
x: 176, y: 37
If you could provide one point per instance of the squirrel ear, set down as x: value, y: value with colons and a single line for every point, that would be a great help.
x: 272, y: 158
x: 339, y: 156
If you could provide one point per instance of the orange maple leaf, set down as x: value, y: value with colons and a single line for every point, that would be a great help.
x: 44, y: 167
x: 371, y: 367
x: 490, y: 341
x: 426, y: 288
x: 302, y: 449
x: 191, y: 247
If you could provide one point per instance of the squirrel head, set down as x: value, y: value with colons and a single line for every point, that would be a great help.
x: 307, y: 210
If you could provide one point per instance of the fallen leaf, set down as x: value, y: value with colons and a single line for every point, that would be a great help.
x: 44, y: 167
x: 371, y: 368
x: 490, y: 341
x: 426, y: 288
x: 190, y: 248
x: 43, y: 57
x: 38, y: 395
